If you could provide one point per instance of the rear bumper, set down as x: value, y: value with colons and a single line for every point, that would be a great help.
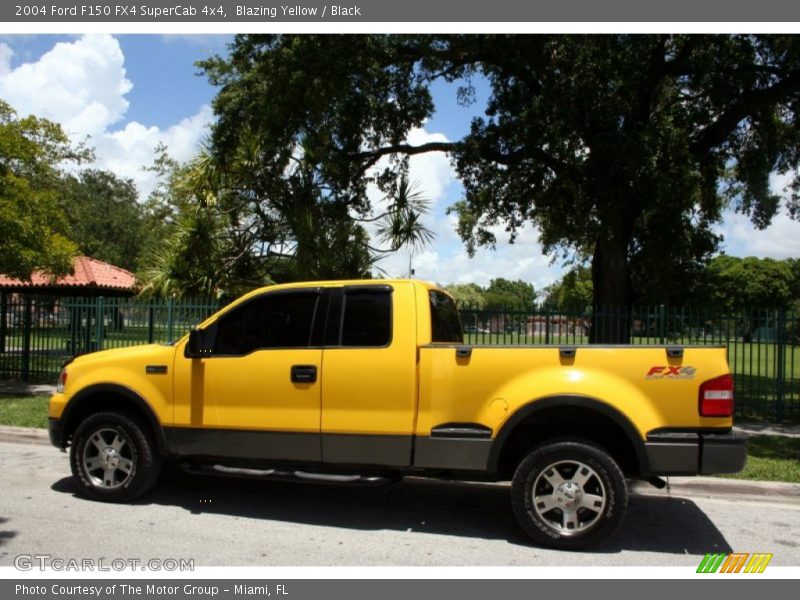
x: 693, y: 453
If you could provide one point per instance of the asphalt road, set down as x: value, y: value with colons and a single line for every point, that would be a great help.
x: 219, y: 521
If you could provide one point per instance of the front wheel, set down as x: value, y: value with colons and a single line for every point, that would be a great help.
x: 569, y: 495
x: 113, y: 459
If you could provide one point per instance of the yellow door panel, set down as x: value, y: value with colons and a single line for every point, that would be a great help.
x: 369, y: 381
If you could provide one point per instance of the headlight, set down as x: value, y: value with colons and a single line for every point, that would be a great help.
x: 62, y: 381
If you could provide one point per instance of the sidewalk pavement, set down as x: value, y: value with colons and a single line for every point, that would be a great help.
x: 23, y: 388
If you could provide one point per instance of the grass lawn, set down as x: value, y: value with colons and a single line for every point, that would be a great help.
x: 771, y: 458
x: 24, y: 411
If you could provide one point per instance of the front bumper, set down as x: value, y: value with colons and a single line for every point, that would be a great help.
x: 56, y: 429
x: 695, y: 453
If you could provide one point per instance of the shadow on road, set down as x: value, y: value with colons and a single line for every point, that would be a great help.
x: 474, y: 510
x: 5, y: 535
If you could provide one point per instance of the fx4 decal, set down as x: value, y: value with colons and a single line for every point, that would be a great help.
x: 667, y: 372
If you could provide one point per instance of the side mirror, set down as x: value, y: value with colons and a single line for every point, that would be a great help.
x: 200, y: 344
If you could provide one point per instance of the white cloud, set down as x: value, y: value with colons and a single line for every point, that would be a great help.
x: 80, y: 84
x: 83, y: 86
x: 5, y: 58
x: 780, y: 240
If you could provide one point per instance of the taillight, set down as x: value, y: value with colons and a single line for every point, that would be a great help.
x: 716, y: 397
x: 62, y: 381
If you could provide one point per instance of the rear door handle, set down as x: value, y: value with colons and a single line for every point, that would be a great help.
x: 304, y: 373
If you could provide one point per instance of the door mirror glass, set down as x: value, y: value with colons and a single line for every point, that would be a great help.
x: 200, y: 344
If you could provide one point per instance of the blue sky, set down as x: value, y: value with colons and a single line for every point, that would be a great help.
x: 125, y: 94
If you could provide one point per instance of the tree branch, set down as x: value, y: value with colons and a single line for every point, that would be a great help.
x: 714, y: 134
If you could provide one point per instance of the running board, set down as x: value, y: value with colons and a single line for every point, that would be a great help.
x: 350, y: 479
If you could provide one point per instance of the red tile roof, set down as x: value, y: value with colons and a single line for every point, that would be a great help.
x: 88, y: 272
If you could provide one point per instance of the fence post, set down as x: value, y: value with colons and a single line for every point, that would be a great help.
x: 26, y: 339
x: 3, y: 320
x: 151, y: 317
x: 547, y: 327
x: 74, y: 325
x: 780, y: 364
x: 170, y: 318
x: 662, y: 325
x: 100, y: 322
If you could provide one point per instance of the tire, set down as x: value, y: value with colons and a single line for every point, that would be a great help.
x: 113, y: 458
x: 581, y: 495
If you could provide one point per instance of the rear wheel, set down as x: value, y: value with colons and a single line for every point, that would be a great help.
x: 113, y: 459
x: 569, y: 495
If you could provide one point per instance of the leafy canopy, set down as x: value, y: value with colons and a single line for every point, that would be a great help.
x: 622, y: 150
x: 33, y: 230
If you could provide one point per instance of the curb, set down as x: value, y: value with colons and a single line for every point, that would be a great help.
x: 24, y: 435
x: 721, y: 488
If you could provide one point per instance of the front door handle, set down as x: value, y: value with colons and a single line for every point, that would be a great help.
x: 304, y: 374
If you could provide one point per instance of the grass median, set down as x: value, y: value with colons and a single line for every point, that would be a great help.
x: 770, y: 457
x: 24, y: 411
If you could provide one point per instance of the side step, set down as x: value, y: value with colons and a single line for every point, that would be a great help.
x: 349, y: 479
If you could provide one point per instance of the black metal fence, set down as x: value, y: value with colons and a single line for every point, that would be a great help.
x: 39, y: 333
x: 763, y: 345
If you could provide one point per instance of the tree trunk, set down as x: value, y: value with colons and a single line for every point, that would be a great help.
x: 612, y: 293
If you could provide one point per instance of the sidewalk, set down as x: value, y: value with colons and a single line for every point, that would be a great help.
x: 22, y: 388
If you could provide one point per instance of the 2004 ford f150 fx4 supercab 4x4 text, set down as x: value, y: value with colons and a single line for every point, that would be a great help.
x: 367, y: 381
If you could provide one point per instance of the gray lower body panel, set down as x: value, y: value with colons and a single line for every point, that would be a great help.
x: 374, y: 450
x: 245, y: 445
x: 395, y: 451
x: 458, y: 454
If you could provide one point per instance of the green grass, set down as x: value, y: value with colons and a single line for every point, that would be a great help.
x: 24, y: 411
x: 771, y: 458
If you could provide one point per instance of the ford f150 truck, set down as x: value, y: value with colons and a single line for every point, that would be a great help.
x: 368, y: 381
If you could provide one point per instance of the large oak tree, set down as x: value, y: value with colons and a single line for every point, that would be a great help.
x: 624, y: 149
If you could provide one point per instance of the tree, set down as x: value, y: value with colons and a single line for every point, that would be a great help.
x: 503, y: 293
x: 33, y: 230
x: 573, y: 293
x: 622, y: 148
x: 467, y: 295
x: 104, y: 217
x: 735, y: 284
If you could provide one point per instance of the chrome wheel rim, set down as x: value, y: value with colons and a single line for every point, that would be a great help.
x: 107, y: 459
x: 569, y: 497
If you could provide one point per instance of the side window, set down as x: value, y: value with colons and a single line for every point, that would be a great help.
x: 269, y: 321
x: 445, y: 323
x: 367, y: 318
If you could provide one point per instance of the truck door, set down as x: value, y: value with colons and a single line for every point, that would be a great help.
x: 258, y: 394
x: 369, y: 375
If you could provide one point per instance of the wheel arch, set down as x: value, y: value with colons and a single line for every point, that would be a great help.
x: 549, y: 406
x: 110, y: 396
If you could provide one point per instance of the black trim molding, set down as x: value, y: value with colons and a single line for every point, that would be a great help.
x: 587, y: 402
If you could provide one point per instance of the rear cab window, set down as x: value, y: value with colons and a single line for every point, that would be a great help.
x: 445, y: 322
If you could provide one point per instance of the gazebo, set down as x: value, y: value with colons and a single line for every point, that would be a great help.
x: 90, y: 278
x: 35, y: 314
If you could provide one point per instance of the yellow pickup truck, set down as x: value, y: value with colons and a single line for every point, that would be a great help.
x: 363, y: 382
